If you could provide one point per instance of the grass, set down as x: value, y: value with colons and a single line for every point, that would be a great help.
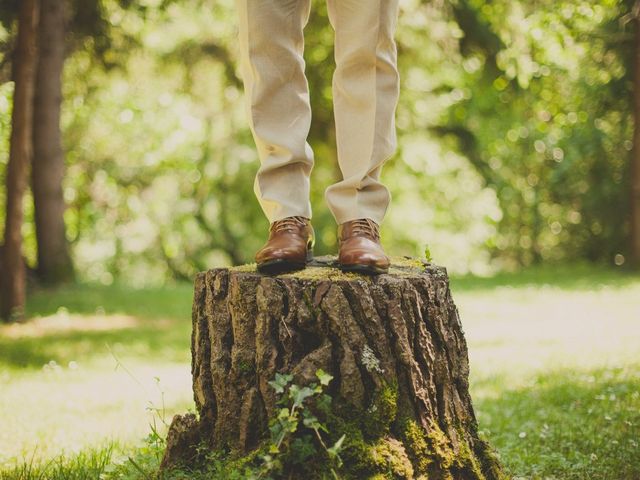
x: 568, y: 424
x: 92, y: 367
x: 577, y: 277
x: 75, y: 322
x: 83, y: 466
x: 555, y: 375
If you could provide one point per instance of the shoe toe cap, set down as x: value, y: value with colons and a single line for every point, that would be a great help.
x: 284, y: 252
x: 368, y: 253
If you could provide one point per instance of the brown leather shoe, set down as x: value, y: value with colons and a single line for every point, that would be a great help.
x: 360, y: 249
x: 289, y: 247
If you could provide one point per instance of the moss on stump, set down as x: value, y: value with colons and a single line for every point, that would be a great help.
x: 393, y: 343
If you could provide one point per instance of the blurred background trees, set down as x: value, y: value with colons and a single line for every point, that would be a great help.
x: 24, y: 65
x: 515, y: 128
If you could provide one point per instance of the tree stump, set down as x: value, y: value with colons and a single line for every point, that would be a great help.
x: 395, y: 348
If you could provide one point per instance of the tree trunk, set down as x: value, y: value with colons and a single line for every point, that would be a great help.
x: 635, y: 159
x: 13, y: 274
x: 393, y: 343
x: 54, y: 262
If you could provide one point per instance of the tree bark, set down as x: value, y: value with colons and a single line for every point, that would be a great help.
x: 13, y: 274
x: 635, y: 158
x: 393, y: 343
x: 54, y: 261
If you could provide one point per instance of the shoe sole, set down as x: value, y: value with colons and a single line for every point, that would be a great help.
x: 281, y: 265
x: 365, y: 269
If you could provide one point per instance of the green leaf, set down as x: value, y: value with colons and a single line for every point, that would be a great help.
x: 323, y: 376
x: 427, y: 253
x: 298, y: 394
x: 275, y: 430
x: 283, y: 379
x: 276, y: 386
x: 324, y: 402
x: 283, y: 413
x: 280, y: 381
x: 310, y: 421
x: 302, y: 449
x: 292, y: 426
x: 333, y: 451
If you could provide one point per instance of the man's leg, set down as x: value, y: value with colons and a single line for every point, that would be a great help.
x: 366, y: 86
x: 277, y: 102
x: 365, y: 95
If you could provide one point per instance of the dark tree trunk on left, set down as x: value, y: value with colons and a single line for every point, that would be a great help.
x: 13, y: 274
x: 54, y: 261
x: 635, y: 158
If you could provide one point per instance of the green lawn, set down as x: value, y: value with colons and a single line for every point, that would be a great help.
x: 555, y: 375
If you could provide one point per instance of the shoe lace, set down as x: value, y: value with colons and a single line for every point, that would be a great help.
x: 288, y: 224
x: 366, y: 226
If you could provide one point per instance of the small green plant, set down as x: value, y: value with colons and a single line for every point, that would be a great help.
x: 145, y: 461
x: 142, y: 463
x: 427, y: 253
x: 297, y: 425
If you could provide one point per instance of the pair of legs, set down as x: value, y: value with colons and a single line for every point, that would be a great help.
x: 365, y: 94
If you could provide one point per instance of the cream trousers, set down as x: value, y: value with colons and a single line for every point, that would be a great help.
x: 365, y: 89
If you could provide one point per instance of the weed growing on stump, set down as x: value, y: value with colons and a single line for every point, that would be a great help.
x: 297, y: 431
